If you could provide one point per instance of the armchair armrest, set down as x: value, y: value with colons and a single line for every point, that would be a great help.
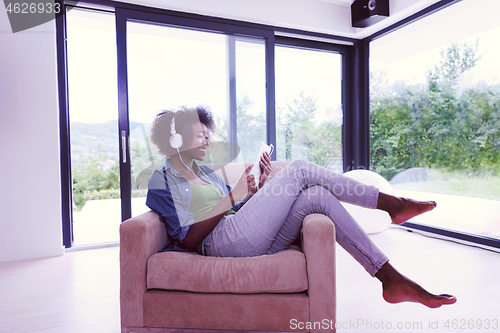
x: 140, y: 237
x: 318, y: 245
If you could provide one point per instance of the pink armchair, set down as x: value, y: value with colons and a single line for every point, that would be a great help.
x: 290, y: 291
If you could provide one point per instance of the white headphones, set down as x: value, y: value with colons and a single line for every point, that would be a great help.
x: 176, y: 138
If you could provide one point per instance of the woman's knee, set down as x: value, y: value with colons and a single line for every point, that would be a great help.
x: 299, y: 164
x: 317, y: 194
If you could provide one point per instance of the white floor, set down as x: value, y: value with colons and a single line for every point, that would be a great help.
x: 469, y: 273
x: 99, y: 220
x: 79, y: 292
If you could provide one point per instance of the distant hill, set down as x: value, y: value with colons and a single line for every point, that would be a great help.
x: 100, y: 138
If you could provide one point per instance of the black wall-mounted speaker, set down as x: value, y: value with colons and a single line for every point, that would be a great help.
x: 367, y: 12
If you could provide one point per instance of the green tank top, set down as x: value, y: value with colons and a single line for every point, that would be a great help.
x: 203, y: 199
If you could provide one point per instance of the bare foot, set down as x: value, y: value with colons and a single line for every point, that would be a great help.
x: 408, y: 291
x: 408, y: 208
x: 398, y: 288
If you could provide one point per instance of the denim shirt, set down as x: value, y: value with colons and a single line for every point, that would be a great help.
x: 169, y: 196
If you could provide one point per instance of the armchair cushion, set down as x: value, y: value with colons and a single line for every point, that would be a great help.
x: 283, y: 272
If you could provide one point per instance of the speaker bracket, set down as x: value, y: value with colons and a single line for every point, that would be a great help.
x: 368, y: 12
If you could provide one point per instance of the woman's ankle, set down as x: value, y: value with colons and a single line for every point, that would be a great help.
x: 388, y: 203
x: 387, y: 273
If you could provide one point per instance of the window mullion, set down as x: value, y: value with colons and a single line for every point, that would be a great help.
x: 232, y: 129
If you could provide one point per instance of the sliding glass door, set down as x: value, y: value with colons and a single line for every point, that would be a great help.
x: 125, y: 66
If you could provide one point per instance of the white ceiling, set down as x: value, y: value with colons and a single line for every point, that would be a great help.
x: 331, y: 17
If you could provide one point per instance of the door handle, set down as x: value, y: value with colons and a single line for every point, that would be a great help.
x: 124, y: 147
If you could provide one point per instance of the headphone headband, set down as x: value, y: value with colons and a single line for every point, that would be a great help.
x: 172, y: 125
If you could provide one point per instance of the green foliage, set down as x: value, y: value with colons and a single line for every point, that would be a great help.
x: 439, y: 127
x: 302, y: 137
x: 323, y: 142
x: 251, y: 128
x: 298, y: 136
x: 456, y: 60
x: 101, y: 195
x: 296, y: 120
x: 95, y: 175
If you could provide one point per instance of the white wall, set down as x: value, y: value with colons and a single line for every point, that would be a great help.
x: 30, y: 200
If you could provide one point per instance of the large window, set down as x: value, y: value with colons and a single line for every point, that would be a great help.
x: 435, y: 115
x: 309, y: 106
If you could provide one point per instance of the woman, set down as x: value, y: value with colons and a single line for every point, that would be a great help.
x: 204, y: 214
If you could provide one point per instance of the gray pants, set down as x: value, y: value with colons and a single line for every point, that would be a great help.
x: 272, y: 219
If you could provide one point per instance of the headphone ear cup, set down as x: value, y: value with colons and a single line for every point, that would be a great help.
x: 176, y: 141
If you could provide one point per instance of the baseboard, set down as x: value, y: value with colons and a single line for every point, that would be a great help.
x: 25, y: 255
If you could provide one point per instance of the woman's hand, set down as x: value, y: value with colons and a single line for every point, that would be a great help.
x: 265, y: 168
x: 245, y: 187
